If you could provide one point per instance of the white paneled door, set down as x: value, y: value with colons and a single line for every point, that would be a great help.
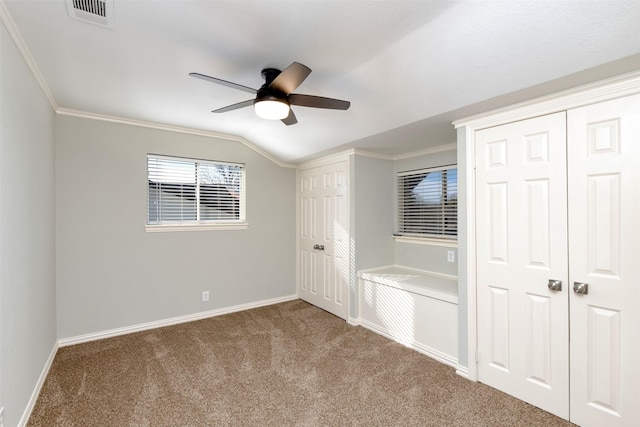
x: 562, y: 205
x: 324, y: 250
x: 604, y: 255
x: 521, y: 217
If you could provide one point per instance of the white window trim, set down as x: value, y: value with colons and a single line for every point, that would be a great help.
x: 161, y: 228
x: 432, y: 241
x: 202, y: 226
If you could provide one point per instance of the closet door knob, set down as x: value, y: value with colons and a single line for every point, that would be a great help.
x: 581, y: 288
x: 555, y: 285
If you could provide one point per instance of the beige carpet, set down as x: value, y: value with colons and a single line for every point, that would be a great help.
x: 289, y: 364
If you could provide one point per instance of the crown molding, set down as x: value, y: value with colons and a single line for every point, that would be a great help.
x: 433, y: 150
x: 372, y: 154
x: 602, y: 90
x: 366, y: 153
x: 326, y: 160
x: 12, y: 29
x: 172, y: 128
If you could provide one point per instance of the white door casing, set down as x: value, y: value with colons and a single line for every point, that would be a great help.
x: 604, y: 232
x: 521, y: 215
x: 324, y: 242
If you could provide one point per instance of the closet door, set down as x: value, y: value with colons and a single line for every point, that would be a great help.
x: 323, y: 238
x: 521, y: 222
x: 604, y: 233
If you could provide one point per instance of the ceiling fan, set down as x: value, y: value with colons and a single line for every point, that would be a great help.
x: 274, y: 98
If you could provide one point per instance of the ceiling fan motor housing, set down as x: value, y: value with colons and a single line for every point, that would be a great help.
x: 269, y: 74
x: 267, y: 93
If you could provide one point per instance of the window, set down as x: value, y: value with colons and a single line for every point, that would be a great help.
x: 186, y: 193
x: 428, y: 203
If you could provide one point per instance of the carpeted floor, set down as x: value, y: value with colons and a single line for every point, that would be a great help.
x: 288, y: 364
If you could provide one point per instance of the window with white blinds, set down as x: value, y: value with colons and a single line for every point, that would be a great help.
x: 188, y: 192
x: 428, y: 203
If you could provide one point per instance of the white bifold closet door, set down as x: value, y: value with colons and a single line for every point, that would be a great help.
x: 562, y: 208
x: 604, y: 237
x: 521, y: 221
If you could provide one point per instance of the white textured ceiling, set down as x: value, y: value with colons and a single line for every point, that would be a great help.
x: 408, y: 67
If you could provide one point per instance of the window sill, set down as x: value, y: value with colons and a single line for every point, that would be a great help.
x: 196, y: 227
x: 426, y: 241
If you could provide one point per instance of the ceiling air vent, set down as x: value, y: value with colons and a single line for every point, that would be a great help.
x: 98, y: 12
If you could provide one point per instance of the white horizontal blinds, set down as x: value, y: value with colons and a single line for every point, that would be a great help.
x: 428, y: 202
x: 172, y: 190
x: 220, y: 191
x: 186, y: 191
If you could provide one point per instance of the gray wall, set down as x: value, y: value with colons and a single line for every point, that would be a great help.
x: 372, y: 184
x: 27, y: 239
x: 463, y: 236
x: 112, y: 274
x: 426, y: 257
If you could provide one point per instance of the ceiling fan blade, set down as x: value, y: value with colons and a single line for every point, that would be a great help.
x: 290, y: 119
x: 232, y: 107
x: 318, y: 102
x: 223, y: 82
x: 290, y: 78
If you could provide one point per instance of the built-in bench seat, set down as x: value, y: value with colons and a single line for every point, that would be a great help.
x: 417, y: 308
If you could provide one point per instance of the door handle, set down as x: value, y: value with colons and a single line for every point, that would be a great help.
x: 554, y: 285
x: 581, y: 288
x: 318, y: 247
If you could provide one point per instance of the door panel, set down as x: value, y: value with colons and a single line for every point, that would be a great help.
x: 521, y: 216
x: 537, y: 223
x: 308, y: 234
x: 324, y: 273
x: 538, y: 365
x: 604, y: 231
x: 499, y: 332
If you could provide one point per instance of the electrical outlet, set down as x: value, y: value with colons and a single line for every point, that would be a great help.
x: 205, y: 296
x: 451, y: 256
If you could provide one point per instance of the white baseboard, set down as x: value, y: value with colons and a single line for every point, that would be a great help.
x: 63, y: 342
x: 414, y: 345
x: 36, y: 391
x: 463, y: 371
x: 354, y: 321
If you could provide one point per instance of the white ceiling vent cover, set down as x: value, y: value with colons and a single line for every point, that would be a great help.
x: 98, y: 12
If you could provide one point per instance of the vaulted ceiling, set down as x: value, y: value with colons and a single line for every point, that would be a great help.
x: 408, y: 67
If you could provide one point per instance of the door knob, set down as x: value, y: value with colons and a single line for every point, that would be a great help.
x: 321, y: 247
x: 555, y: 285
x: 581, y: 288
x: 316, y: 246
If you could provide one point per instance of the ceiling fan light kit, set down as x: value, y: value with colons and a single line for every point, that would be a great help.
x: 271, y: 109
x: 274, y: 98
